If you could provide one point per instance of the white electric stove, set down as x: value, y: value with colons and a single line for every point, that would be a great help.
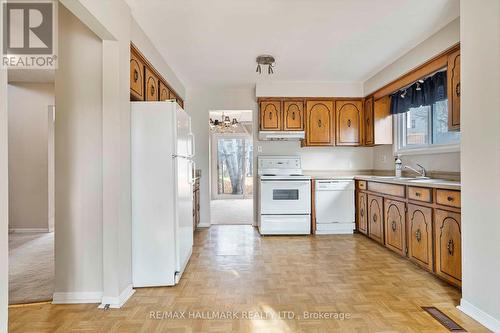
x: 284, y: 196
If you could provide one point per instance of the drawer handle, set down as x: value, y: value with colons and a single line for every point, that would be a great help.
x: 393, y: 225
x: 418, y: 235
x: 362, y: 212
x: 319, y: 122
x: 457, y: 89
x: 374, y: 218
x: 293, y: 115
x: 450, y: 198
x: 451, y: 247
x: 136, y: 75
x: 417, y: 194
x: 348, y: 122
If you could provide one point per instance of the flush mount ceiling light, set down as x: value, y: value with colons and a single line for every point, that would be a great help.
x: 265, y: 60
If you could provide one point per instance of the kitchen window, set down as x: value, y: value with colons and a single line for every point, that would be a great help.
x: 421, y: 118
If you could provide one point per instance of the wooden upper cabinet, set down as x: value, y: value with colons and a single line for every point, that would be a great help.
x: 293, y: 115
x: 349, y: 119
x: 382, y: 121
x: 448, y: 246
x: 454, y: 91
x: 368, y: 121
x: 270, y: 115
x: 319, y: 123
x: 164, y: 92
x: 420, y: 236
x: 136, y: 76
x: 395, y: 230
x: 361, y: 213
x: 375, y: 218
x: 151, y: 85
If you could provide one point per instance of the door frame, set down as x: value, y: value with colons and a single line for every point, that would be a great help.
x: 214, y: 137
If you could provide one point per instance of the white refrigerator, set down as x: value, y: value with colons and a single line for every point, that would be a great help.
x: 162, y: 192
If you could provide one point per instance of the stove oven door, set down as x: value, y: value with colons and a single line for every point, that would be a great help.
x: 285, y: 197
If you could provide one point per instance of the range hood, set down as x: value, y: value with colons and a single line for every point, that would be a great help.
x: 281, y: 135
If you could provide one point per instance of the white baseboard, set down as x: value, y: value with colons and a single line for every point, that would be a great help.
x: 482, y: 317
x: 77, y: 297
x: 118, y: 302
x: 27, y: 230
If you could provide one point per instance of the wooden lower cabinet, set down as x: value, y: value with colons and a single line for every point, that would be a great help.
x: 361, y: 213
x: 420, y: 236
x: 448, y: 246
x: 395, y: 220
x: 376, y: 218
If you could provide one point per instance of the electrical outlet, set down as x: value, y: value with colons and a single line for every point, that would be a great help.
x: 259, y: 149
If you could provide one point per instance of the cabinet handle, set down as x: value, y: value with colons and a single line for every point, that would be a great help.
x: 136, y: 75
x: 450, y: 198
x: 393, y: 225
x: 418, y: 194
x: 457, y: 89
x: 293, y: 115
x: 375, y: 218
x: 319, y: 122
x: 362, y: 212
x: 152, y: 90
x: 348, y: 122
x: 450, y: 247
x: 270, y: 115
x: 418, y: 235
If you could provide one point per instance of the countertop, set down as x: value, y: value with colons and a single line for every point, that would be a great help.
x: 432, y: 182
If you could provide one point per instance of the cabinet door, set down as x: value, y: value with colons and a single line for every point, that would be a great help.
x: 361, y: 213
x: 270, y: 115
x: 293, y: 115
x: 395, y: 220
x: 349, y: 118
x: 319, y: 123
x: 454, y: 91
x: 382, y: 121
x: 420, y: 236
x: 368, y: 122
x: 151, y: 86
x: 447, y: 233
x: 164, y: 92
x: 375, y: 218
x: 136, y: 77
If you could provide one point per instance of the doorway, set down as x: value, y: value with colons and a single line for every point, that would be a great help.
x: 231, y: 155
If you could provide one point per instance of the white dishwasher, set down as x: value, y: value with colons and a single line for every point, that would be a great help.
x: 334, y: 205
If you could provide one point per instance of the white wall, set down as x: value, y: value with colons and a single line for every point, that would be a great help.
x: 435, y: 44
x: 78, y: 151
x: 480, y: 120
x: 29, y: 155
x: 4, y: 203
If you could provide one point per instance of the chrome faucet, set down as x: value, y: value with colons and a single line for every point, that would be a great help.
x: 421, y: 173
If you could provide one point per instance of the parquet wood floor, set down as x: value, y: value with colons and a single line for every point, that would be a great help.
x: 234, y: 269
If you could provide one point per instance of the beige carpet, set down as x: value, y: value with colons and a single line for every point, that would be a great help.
x: 231, y: 211
x: 31, y: 267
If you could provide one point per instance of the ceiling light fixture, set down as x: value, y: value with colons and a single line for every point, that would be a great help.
x: 265, y: 60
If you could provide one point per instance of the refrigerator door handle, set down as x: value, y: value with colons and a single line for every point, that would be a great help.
x: 192, y: 141
x: 191, y: 170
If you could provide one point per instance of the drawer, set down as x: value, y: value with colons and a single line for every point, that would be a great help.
x: 361, y: 185
x: 448, y: 198
x: 389, y: 189
x: 420, y: 194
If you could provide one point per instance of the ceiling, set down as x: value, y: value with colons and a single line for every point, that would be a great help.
x: 216, y: 42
